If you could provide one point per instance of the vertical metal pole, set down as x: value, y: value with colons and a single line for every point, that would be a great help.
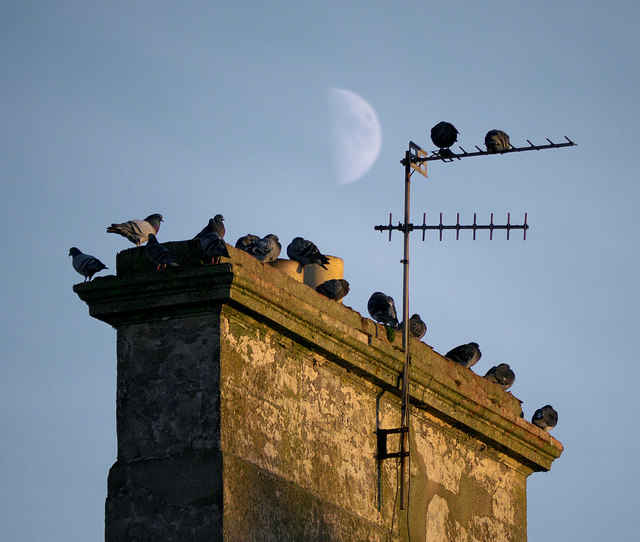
x: 404, y: 422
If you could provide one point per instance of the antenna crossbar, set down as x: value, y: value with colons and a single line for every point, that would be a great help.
x: 419, y: 155
x: 441, y: 227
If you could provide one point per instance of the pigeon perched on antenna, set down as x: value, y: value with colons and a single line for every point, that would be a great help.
x: 85, y: 264
x: 417, y: 328
x: 305, y: 252
x: 334, y: 289
x: 216, y: 225
x: 443, y: 135
x: 502, y: 375
x: 137, y: 231
x: 466, y: 355
x: 266, y: 249
x: 546, y: 418
x: 213, y: 246
x: 159, y: 254
x: 496, y: 141
x: 382, y: 309
x: 244, y: 242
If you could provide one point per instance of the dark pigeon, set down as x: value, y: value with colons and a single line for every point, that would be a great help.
x: 246, y: 241
x: 215, y: 224
x: 502, y: 375
x: 496, y: 141
x: 382, y: 309
x: 546, y: 418
x: 443, y: 135
x: 266, y: 249
x: 137, y: 231
x: 466, y: 355
x: 85, y: 264
x: 159, y: 254
x: 334, y: 289
x: 214, y: 246
x: 305, y: 252
x: 417, y: 328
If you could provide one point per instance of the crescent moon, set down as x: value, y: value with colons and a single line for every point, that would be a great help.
x: 356, y: 135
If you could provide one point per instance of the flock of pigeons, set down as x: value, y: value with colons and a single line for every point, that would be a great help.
x: 211, y: 237
x: 382, y: 309
x: 267, y: 249
x: 444, y: 134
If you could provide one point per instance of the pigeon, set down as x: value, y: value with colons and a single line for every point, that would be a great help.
x: 417, y: 328
x: 546, y: 418
x: 246, y: 241
x: 383, y: 310
x: 502, y: 375
x: 213, y: 246
x: 334, y: 289
x: 266, y: 249
x: 215, y: 224
x: 137, y: 231
x: 159, y: 254
x: 496, y: 141
x: 85, y: 264
x: 305, y: 252
x: 443, y: 135
x: 466, y: 355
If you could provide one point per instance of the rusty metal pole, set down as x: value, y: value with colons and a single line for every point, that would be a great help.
x: 404, y: 422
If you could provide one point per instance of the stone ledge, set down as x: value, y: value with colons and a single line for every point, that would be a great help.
x: 446, y: 390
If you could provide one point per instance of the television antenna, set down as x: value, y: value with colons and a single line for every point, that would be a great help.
x: 415, y: 160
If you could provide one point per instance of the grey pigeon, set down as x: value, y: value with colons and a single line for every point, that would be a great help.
x: 266, y: 249
x: 496, y: 141
x: 466, y: 355
x: 502, y: 375
x: 382, y: 309
x: 546, y: 418
x: 85, y: 264
x: 137, y: 231
x: 215, y: 224
x: 305, y: 252
x: 214, y: 246
x: 159, y: 254
x: 334, y: 289
x: 417, y: 328
x: 443, y: 135
x: 244, y: 242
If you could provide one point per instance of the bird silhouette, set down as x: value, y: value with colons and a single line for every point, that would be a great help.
x: 502, y: 375
x: 466, y: 355
x: 443, y: 135
x: 215, y: 224
x: 546, y: 418
x: 334, y: 289
x: 382, y: 309
x: 305, y: 252
x: 85, y: 264
x: 159, y: 254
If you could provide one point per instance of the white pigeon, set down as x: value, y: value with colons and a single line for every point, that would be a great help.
x: 85, y: 264
x: 137, y: 231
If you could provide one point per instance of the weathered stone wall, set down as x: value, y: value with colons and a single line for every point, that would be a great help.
x: 247, y: 409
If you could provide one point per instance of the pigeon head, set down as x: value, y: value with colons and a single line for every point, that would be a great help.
x: 73, y: 251
x: 218, y: 218
x: 155, y: 220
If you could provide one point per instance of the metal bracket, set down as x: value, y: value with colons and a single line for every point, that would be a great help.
x: 382, y: 443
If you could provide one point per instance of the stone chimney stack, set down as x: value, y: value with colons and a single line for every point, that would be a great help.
x: 248, y: 405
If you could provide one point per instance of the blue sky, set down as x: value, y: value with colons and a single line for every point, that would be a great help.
x: 117, y: 110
